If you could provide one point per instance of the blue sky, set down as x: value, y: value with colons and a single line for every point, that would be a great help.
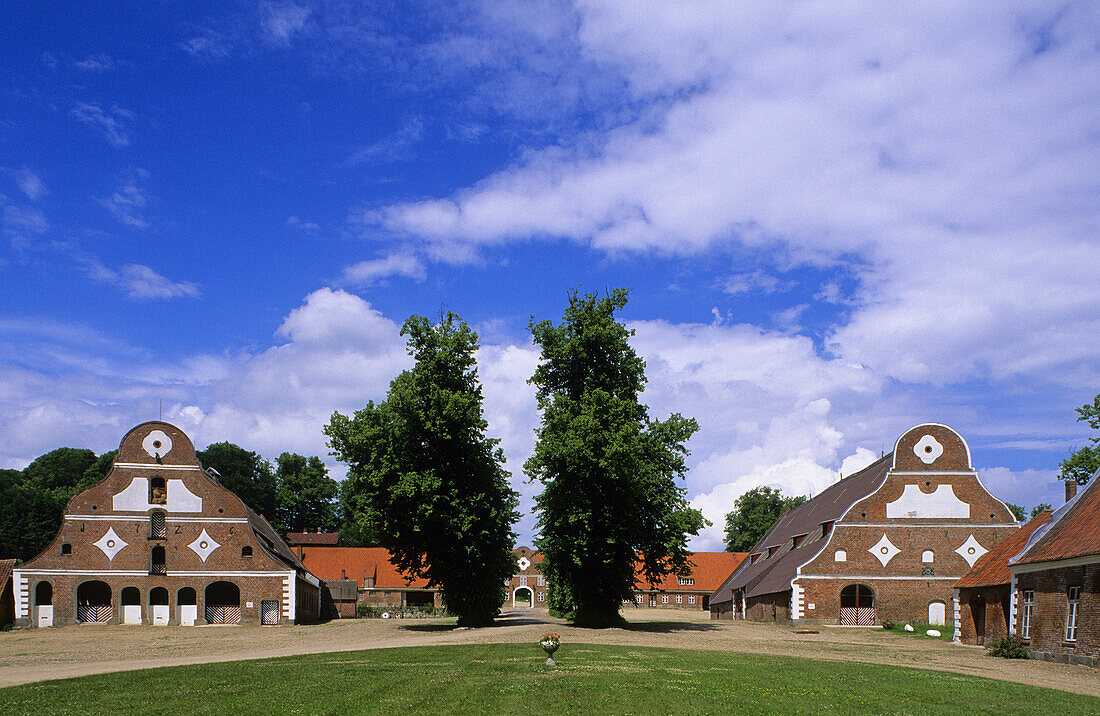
x: 836, y: 220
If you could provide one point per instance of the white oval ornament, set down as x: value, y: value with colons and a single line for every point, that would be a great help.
x: 928, y: 449
x: 157, y: 443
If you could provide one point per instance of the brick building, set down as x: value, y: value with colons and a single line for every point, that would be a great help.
x: 888, y: 542
x: 708, y: 570
x: 1056, y: 582
x: 376, y: 581
x: 983, y: 597
x: 160, y: 541
x: 7, y: 594
x: 527, y: 587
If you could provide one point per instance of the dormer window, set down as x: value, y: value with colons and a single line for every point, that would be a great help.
x: 246, y: 551
x: 753, y: 558
x: 826, y: 528
x: 771, y: 551
x: 798, y: 540
x: 158, y: 492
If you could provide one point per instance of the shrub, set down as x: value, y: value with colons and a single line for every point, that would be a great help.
x: 1008, y: 647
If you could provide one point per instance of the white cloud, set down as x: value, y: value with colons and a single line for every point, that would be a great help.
x: 126, y: 202
x: 859, y: 136
x: 141, y: 282
x: 394, y: 148
x: 31, y: 184
x: 111, y: 123
x: 97, y: 63
x: 283, y: 20
x: 22, y: 223
x: 370, y: 272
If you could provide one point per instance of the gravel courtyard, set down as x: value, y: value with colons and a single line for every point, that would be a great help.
x: 42, y: 654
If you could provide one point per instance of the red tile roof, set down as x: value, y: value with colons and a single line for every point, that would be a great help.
x: 709, y: 570
x: 357, y: 563
x: 992, y: 567
x: 303, y: 538
x: 1074, y: 530
x: 6, y: 566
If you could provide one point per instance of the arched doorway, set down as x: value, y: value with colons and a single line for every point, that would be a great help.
x: 857, y: 605
x: 223, y: 603
x: 131, y: 605
x: 523, y: 597
x: 937, y: 613
x: 186, y: 606
x: 43, y: 604
x: 158, y: 606
x: 93, y: 602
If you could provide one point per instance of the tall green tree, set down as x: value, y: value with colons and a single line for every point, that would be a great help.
x: 610, y: 497
x: 243, y: 472
x: 305, y: 494
x: 1085, y: 461
x: 427, y: 479
x: 753, y: 515
x: 354, y: 532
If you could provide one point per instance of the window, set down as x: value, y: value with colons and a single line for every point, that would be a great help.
x: 639, y: 599
x: 523, y: 580
x: 771, y: 551
x: 826, y: 528
x: 541, y: 581
x: 679, y: 598
x: 840, y: 556
x: 158, y: 494
x: 542, y: 596
x: 664, y: 599
x: 691, y: 599
x: 1074, y: 597
x: 686, y: 581
x: 246, y: 551
x: 1027, y: 605
x: 798, y: 540
x: 753, y: 558
x: 66, y: 548
x: 927, y: 556
x: 156, y: 561
x: 157, y: 524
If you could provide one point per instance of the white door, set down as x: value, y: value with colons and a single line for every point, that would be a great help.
x: 188, y: 613
x: 937, y: 614
x: 160, y: 615
x: 45, y: 615
x: 131, y: 614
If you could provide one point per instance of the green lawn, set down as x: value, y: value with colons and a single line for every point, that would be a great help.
x: 512, y: 678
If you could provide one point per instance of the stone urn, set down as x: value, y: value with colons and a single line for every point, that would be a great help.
x: 550, y: 647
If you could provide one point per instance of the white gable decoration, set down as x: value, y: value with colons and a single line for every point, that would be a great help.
x: 939, y: 503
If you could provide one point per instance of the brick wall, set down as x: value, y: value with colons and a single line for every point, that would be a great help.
x: 994, y: 603
x: 1048, y: 621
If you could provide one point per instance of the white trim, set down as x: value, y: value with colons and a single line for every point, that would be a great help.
x: 938, y: 425
x: 861, y: 577
x: 145, y: 573
x: 958, y: 620
x: 1055, y: 564
x: 22, y: 589
x: 918, y: 473
x: 968, y: 525
x: 290, y: 594
x: 156, y: 466
x: 796, y: 601
x: 167, y: 517
x: 1012, y: 605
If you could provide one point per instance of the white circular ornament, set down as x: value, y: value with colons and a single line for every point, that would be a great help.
x: 524, y: 563
x: 157, y: 443
x: 928, y: 449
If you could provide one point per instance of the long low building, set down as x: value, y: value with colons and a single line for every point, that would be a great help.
x: 160, y: 541
x: 691, y: 591
x: 888, y: 542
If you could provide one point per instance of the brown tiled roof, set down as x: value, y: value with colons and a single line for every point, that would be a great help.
x: 357, y: 563
x: 708, y: 569
x: 6, y: 566
x: 992, y: 567
x: 774, y: 574
x: 272, y: 541
x: 303, y: 538
x: 1074, y: 529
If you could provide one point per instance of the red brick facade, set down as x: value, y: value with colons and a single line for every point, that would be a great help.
x: 159, y: 541
x: 1047, y: 634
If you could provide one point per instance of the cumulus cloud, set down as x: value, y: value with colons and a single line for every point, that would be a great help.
x: 367, y: 273
x: 112, y: 123
x: 141, y: 282
x: 873, y: 138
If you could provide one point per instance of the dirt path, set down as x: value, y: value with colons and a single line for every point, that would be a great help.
x: 43, y: 654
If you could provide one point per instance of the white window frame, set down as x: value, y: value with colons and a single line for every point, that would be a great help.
x: 1073, y: 599
x: 691, y: 599
x: 640, y: 599
x: 686, y: 581
x: 541, y: 581
x: 1027, y: 610
x: 679, y: 598
x: 664, y: 599
x: 523, y: 580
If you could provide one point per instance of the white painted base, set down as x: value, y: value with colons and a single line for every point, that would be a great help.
x: 45, y: 615
x: 131, y: 614
x: 188, y: 614
x: 160, y: 615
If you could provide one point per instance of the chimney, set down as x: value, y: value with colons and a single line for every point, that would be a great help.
x: 1071, y: 489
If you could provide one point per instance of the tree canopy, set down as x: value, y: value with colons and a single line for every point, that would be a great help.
x: 423, y: 476
x: 245, y: 473
x: 304, y: 499
x: 608, y: 471
x: 1085, y: 461
x: 753, y: 515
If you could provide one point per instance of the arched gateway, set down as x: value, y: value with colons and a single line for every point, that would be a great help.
x: 857, y: 605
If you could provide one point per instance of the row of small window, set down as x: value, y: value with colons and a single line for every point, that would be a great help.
x: 664, y: 599
x: 927, y: 556
x: 540, y: 580
x: 1027, y: 611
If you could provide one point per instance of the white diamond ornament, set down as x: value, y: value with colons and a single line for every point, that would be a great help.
x: 971, y: 550
x: 204, y: 545
x: 524, y: 563
x: 928, y: 449
x: 110, y: 543
x: 157, y: 443
x: 884, y: 549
